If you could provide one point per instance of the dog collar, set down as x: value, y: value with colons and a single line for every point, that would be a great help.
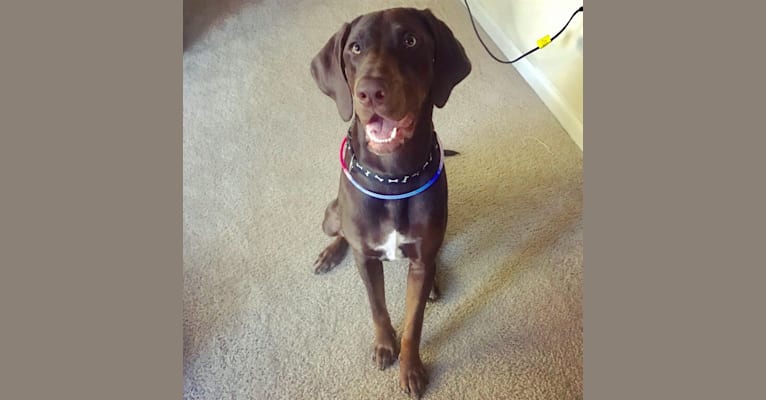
x: 354, y: 164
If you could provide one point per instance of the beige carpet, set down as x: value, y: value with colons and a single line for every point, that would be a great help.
x: 260, y: 148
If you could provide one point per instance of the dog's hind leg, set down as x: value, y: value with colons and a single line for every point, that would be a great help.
x: 333, y: 254
x: 331, y: 223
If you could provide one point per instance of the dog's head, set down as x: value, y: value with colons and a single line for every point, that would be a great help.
x: 388, y: 66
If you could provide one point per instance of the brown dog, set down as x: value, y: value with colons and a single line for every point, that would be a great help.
x: 387, y: 70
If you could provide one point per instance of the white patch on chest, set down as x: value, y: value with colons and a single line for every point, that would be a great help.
x: 390, y: 247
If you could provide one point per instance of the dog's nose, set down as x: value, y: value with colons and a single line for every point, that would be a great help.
x: 370, y: 91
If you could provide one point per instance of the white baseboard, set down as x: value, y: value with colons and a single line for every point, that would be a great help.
x: 536, y: 79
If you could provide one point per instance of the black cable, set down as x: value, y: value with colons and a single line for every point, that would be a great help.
x: 540, y: 46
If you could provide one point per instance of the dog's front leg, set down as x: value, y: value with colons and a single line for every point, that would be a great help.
x: 420, y: 280
x: 371, y: 271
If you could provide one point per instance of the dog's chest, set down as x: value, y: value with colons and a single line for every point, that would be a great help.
x: 391, y: 245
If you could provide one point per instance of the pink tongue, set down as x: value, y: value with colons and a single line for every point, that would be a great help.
x: 380, y: 128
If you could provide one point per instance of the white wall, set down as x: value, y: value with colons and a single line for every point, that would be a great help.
x: 555, y: 71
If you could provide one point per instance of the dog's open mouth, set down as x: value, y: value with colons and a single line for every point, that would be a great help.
x: 384, y: 135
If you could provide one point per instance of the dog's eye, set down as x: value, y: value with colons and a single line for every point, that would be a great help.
x: 356, y: 48
x: 410, y: 40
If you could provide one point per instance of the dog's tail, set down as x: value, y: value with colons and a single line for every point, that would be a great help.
x: 450, y: 153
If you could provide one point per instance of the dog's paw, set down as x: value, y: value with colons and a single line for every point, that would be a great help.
x: 331, y: 256
x: 412, y: 377
x: 325, y: 262
x: 435, y: 294
x: 385, y: 352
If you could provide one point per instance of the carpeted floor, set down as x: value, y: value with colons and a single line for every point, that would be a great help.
x: 260, y: 165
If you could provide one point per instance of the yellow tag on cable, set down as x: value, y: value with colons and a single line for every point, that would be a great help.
x: 543, y: 41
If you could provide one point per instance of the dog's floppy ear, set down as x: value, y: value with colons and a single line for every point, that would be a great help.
x: 328, y: 72
x: 451, y: 65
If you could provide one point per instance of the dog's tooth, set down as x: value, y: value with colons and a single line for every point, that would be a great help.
x: 387, y: 140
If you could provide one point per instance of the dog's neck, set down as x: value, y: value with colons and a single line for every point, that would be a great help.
x: 406, y: 159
